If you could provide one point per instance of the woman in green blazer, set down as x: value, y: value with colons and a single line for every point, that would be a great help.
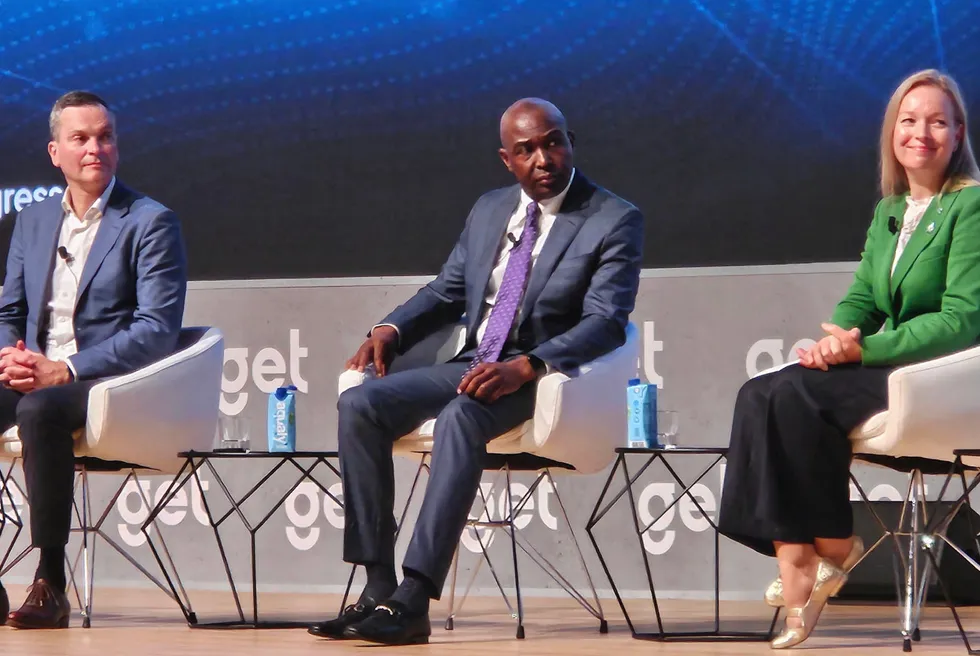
x: 915, y: 296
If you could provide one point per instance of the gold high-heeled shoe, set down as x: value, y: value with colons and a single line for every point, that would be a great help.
x: 830, y: 578
x: 774, y: 593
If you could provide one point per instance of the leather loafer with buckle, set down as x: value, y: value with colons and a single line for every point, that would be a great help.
x: 393, y: 624
x: 349, y: 616
x: 44, y: 608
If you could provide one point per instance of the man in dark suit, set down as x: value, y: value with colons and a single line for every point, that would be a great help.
x: 94, y: 288
x: 546, y: 273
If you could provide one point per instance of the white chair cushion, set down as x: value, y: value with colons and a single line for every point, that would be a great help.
x: 11, y: 446
x: 421, y: 440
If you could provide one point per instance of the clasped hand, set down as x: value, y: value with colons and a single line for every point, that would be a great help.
x: 24, y: 370
x: 838, y: 347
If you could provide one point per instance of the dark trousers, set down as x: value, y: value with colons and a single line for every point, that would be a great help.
x: 46, y: 420
x: 787, y: 476
x: 371, y: 417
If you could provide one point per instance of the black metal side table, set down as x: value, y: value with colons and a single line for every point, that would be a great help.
x: 305, y: 462
x: 602, y: 507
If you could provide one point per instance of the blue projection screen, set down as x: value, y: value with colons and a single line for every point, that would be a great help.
x: 307, y: 139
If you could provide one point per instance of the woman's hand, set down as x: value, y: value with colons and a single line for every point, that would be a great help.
x: 838, y: 347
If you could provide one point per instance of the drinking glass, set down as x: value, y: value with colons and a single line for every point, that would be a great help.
x: 232, y: 434
x: 667, y: 428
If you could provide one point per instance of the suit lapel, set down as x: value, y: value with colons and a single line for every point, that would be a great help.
x: 924, y: 233
x: 112, y: 222
x: 44, y: 253
x: 884, y: 256
x: 493, y: 234
x: 570, y: 218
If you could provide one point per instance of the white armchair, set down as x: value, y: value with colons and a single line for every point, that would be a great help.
x: 579, y: 419
x: 933, y: 409
x: 145, y: 418
x: 139, y: 421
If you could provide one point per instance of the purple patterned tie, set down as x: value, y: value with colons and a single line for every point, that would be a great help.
x: 510, y: 292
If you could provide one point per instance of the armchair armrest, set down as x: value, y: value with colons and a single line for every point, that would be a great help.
x: 148, y: 416
x: 581, y: 419
x: 933, y: 407
x: 438, y: 347
x: 352, y: 378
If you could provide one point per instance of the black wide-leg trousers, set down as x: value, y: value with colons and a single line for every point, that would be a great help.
x: 787, y: 476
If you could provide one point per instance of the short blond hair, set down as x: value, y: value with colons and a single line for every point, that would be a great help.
x: 962, y: 170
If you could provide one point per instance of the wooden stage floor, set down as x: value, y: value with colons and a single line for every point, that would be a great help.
x: 145, y: 622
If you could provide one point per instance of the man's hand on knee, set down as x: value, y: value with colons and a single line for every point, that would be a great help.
x: 488, y: 381
x: 378, y: 349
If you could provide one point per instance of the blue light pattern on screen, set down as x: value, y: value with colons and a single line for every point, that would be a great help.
x: 710, y: 115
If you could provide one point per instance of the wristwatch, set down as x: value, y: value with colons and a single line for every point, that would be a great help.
x: 537, y: 364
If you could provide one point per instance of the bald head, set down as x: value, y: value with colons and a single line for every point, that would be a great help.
x: 536, y: 146
x: 521, y: 111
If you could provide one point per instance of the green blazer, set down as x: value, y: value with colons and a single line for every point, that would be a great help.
x: 931, y: 305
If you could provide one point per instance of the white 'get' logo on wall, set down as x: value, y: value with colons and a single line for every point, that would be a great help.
x: 268, y: 372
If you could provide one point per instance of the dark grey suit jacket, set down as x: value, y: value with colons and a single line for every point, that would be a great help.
x: 581, y: 290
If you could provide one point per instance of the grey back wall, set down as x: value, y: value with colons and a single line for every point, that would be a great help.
x: 705, y: 331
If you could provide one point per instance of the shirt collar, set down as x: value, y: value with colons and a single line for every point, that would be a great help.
x: 551, y: 205
x: 98, y: 207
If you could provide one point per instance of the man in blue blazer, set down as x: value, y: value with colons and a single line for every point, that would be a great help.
x: 94, y: 287
x: 545, y: 273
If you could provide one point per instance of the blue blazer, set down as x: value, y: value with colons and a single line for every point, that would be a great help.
x: 581, y: 290
x: 130, y: 301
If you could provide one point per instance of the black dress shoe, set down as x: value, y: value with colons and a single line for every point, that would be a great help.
x: 392, y: 623
x: 4, y: 605
x: 350, y: 615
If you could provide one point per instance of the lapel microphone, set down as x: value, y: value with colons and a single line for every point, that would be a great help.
x: 893, y: 225
x: 512, y: 238
x: 68, y: 258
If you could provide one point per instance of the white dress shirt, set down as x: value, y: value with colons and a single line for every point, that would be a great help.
x: 77, y: 236
x: 913, y: 215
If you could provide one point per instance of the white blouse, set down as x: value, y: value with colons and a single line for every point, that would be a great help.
x: 913, y: 214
